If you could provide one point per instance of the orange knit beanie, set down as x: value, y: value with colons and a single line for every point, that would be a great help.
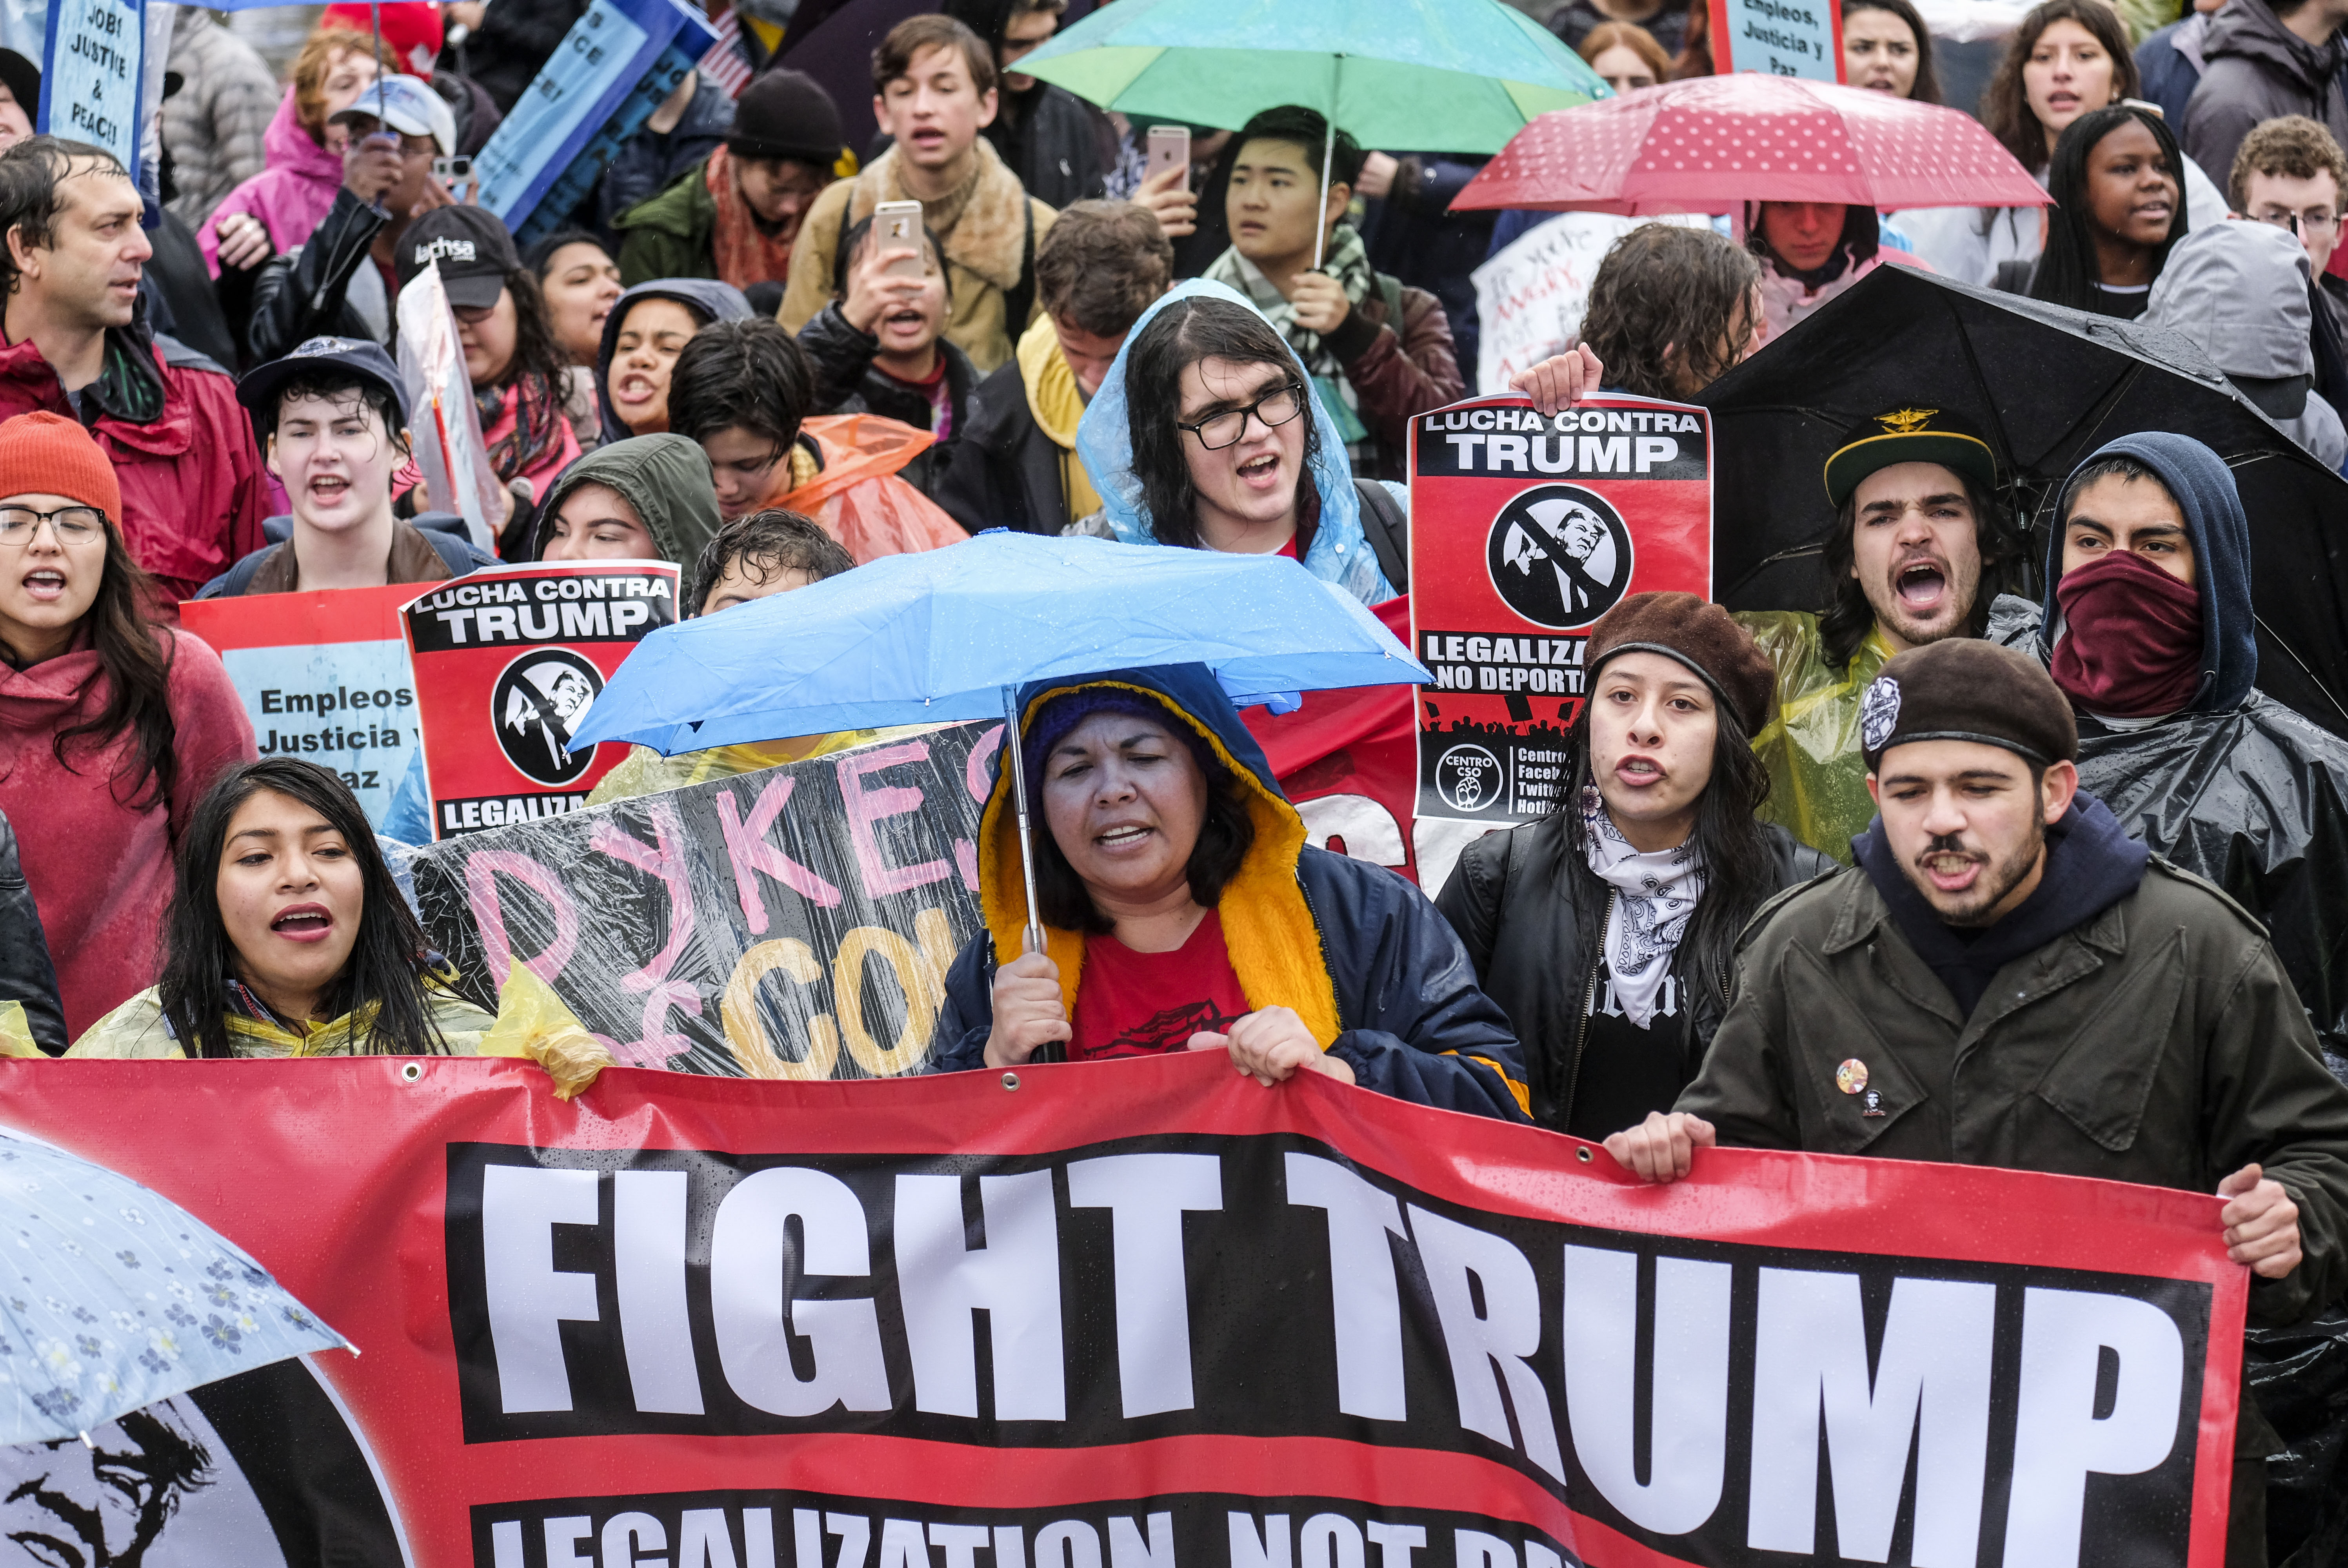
x: 48, y: 455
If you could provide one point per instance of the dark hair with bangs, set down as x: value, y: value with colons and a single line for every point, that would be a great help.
x: 1927, y: 89
x: 767, y: 544
x: 1177, y: 337
x: 33, y: 174
x: 2068, y: 269
x: 137, y: 657
x: 386, y: 967
x: 329, y: 383
x: 1667, y: 298
x: 1847, y: 616
x: 2006, y: 103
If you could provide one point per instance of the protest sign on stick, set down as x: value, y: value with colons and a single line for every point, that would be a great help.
x: 93, y: 69
x: 444, y: 420
x: 323, y: 677
x: 507, y: 662
x: 1777, y: 37
x: 793, y: 923
x: 1524, y: 531
x: 739, y: 1324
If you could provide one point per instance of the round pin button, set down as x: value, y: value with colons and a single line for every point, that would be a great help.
x: 1851, y: 1076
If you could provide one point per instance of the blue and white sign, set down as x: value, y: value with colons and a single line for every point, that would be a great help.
x: 1778, y: 37
x: 91, y: 73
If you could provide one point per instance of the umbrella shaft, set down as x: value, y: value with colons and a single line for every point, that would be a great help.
x: 1033, y: 936
x: 1328, y: 152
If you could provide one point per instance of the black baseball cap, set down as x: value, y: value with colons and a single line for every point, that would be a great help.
x: 474, y: 249
x: 1910, y: 435
x: 354, y: 356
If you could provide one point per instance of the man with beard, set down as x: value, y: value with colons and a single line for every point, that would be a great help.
x: 2007, y: 978
x: 1918, y: 545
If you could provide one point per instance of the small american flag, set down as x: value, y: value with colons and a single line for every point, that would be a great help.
x: 724, y: 64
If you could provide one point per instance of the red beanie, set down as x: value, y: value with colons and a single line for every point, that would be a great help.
x: 49, y: 454
x: 411, y: 32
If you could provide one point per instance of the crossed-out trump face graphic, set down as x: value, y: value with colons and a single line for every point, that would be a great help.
x: 1559, y: 556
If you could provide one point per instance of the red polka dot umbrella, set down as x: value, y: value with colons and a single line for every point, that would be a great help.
x: 1711, y: 143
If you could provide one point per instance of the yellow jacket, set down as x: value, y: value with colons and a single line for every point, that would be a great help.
x: 136, y: 1031
x: 1817, y: 780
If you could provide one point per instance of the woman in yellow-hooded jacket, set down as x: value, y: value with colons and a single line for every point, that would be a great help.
x: 288, y: 936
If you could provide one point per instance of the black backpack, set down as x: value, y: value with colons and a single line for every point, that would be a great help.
x: 1388, y: 527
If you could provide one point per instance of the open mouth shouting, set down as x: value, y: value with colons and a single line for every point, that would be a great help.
x: 1639, y: 772
x: 45, y: 585
x: 1950, y: 870
x: 1260, y: 472
x: 303, y: 923
x: 1922, y: 584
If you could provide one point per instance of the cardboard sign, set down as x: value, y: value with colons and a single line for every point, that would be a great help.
x: 1121, y: 1314
x: 1524, y: 531
x: 1779, y: 38
x: 507, y: 662
x: 324, y: 677
x: 92, y: 68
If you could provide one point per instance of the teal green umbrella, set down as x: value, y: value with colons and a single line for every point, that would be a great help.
x: 1432, y: 76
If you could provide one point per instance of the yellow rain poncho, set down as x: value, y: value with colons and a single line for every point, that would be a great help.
x: 646, y: 772
x: 1817, y: 780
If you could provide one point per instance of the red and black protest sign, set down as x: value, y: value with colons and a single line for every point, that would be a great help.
x: 507, y: 662
x: 1524, y: 531
x: 1139, y: 1314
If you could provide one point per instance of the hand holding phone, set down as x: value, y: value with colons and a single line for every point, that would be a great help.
x: 897, y: 226
x: 1169, y: 148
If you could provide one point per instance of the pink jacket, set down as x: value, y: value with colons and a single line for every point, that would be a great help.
x: 100, y: 869
x: 290, y: 196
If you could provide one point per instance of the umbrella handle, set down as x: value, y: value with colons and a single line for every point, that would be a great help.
x: 1328, y: 151
x: 1033, y: 936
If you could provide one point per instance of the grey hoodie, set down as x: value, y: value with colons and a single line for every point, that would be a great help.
x: 705, y: 297
x: 2238, y: 291
x: 2257, y: 69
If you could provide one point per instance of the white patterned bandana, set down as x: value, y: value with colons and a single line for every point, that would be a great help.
x: 1655, y: 892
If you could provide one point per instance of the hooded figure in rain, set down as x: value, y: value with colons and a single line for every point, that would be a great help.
x: 1572, y: 540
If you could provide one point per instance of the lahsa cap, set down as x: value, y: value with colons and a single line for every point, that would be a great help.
x: 1964, y: 689
x: 474, y: 249
x: 314, y: 359
x: 1910, y: 435
x: 408, y: 106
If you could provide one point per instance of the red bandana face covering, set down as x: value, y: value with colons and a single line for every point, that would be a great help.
x: 2131, y: 644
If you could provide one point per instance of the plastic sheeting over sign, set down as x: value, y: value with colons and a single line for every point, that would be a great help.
x: 794, y: 923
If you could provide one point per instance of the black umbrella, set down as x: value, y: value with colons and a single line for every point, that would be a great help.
x: 2050, y: 386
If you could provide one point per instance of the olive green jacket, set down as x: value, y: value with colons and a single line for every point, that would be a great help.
x: 667, y: 235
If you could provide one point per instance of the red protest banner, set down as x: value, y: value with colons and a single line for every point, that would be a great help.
x: 506, y: 662
x: 1349, y: 759
x: 722, y: 1322
x: 1524, y: 531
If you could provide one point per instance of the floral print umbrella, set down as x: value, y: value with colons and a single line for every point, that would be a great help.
x: 112, y: 1298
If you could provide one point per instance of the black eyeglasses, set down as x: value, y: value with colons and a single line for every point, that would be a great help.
x: 73, y: 525
x: 1276, y: 407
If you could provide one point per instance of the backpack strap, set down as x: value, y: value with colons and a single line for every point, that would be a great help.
x: 1390, y: 290
x: 1022, y: 297
x: 457, y: 553
x: 1388, y: 527
x: 239, y: 578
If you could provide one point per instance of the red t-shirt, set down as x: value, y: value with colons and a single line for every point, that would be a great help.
x: 1288, y: 550
x: 1139, y: 1004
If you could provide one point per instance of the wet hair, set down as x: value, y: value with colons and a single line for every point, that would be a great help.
x: 1307, y: 129
x: 852, y: 239
x: 767, y: 544
x: 320, y: 51
x: 1177, y: 337
x: 1738, y: 863
x: 1847, y: 616
x: 751, y: 374
x: 1101, y: 264
x: 1226, y: 831
x: 1668, y: 293
x: 2067, y: 272
x: 1625, y: 35
x: 330, y: 385
x: 2006, y: 103
x: 387, y: 964
x: 1927, y: 89
x: 916, y: 35
x: 2291, y: 147
x: 33, y: 174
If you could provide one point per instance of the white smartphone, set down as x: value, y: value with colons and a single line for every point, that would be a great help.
x: 897, y: 226
x: 1170, y: 147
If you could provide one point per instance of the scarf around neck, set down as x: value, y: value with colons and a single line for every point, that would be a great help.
x: 1656, y: 893
x: 2131, y: 644
x: 1348, y: 261
x: 744, y: 252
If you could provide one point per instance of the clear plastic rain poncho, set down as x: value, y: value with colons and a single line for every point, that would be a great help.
x: 1340, y: 555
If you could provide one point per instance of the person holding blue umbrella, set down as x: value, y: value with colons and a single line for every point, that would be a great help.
x: 1182, y: 909
x: 1206, y: 435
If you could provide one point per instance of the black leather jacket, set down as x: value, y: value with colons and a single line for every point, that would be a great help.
x: 1526, y: 904
x: 300, y: 295
x: 27, y: 975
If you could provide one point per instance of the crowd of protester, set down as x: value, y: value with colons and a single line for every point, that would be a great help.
x: 1948, y: 811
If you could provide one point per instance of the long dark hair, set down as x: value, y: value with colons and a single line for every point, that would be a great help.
x: 1927, y: 89
x: 2067, y: 270
x: 386, y: 966
x: 1662, y: 288
x: 538, y: 369
x: 1739, y: 865
x: 136, y: 658
x: 1845, y: 616
x: 2005, y: 105
x: 1177, y: 337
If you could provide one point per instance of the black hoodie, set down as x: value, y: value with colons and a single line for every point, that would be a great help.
x: 2256, y: 70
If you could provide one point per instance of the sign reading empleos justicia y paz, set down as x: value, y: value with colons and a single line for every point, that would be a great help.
x: 1778, y: 37
x: 1148, y: 1315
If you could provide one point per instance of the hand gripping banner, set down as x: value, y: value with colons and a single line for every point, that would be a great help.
x: 1140, y: 1315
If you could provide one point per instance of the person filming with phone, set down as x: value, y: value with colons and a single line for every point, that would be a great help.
x: 341, y: 282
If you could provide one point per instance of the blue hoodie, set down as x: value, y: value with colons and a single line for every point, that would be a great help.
x: 2203, y: 488
x: 1359, y: 954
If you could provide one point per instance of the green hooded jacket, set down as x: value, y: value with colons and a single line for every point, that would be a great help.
x: 667, y: 235
x: 664, y: 478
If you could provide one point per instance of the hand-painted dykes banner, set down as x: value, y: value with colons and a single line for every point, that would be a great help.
x: 795, y: 923
x: 1147, y: 1314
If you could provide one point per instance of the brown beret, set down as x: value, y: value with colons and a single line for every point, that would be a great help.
x: 1700, y: 635
x: 1962, y: 688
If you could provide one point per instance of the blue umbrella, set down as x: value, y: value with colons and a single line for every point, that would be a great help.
x: 112, y: 1298
x: 953, y: 633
